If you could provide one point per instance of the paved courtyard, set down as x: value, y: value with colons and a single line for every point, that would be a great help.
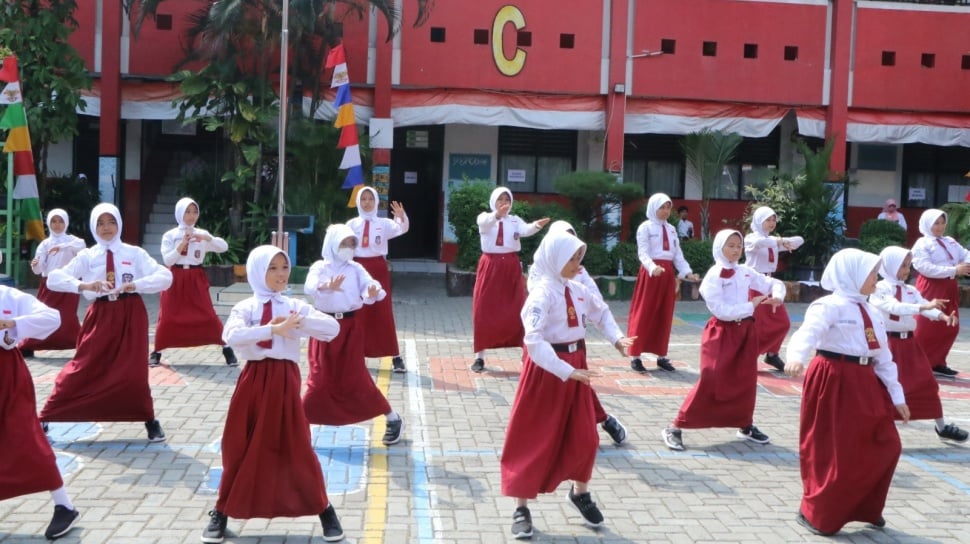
x: 441, y: 483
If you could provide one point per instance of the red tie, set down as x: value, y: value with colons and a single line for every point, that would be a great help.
x: 365, y: 241
x: 266, y: 318
x: 948, y: 254
x: 871, y: 340
x: 500, y: 239
x: 109, y: 268
x: 771, y: 255
x: 899, y: 297
x: 572, y: 320
x: 727, y: 273
x: 666, y: 240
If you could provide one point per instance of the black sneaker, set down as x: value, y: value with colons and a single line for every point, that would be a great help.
x: 951, y: 432
x: 774, y: 360
x: 672, y: 437
x: 215, y: 531
x: 664, y: 363
x: 155, y: 432
x: 27, y: 353
x: 44, y: 425
x: 522, y: 523
x: 478, y: 365
x: 393, y: 433
x: 155, y: 359
x: 944, y: 370
x: 61, y: 523
x: 332, y: 531
x: 879, y: 523
x: 752, y: 434
x: 397, y: 365
x: 803, y: 521
x: 636, y: 365
x: 587, y: 508
x: 230, y: 356
x: 615, y: 429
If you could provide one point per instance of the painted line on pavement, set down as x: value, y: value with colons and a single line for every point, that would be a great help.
x: 422, y: 496
x: 375, y: 517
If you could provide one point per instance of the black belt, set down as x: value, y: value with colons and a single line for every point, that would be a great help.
x: 570, y: 347
x: 186, y: 266
x: 854, y: 359
x: 734, y: 321
x: 117, y: 297
x: 900, y: 335
x: 343, y: 315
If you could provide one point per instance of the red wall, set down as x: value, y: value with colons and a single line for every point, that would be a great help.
x: 82, y: 39
x: 156, y: 52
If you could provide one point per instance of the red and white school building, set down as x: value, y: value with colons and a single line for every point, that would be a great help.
x: 522, y: 91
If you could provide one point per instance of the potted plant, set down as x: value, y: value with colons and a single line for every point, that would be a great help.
x: 876, y: 235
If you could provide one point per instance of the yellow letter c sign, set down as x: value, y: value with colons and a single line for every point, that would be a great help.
x: 514, y: 65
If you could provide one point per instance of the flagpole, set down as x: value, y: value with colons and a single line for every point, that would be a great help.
x: 284, y: 107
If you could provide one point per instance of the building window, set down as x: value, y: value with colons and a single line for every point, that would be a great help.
x: 656, y: 162
x: 437, y: 34
x: 163, y: 22
x: 965, y: 62
x: 889, y: 58
x: 709, y: 49
x: 567, y: 41
x: 750, y: 50
x: 755, y: 165
x: 523, y: 38
x: 481, y: 36
x: 928, y: 60
x: 529, y: 160
x: 791, y: 52
x: 934, y: 175
x: 668, y: 46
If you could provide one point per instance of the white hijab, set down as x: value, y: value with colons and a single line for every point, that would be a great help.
x: 97, y: 212
x: 656, y: 201
x: 553, y: 253
x: 256, y: 266
x: 55, y: 237
x: 719, y: 240
x: 336, y: 233
x: 927, y: 219
x: 847, y: 271
x: 892, y: 259
x: 180, y: 207
x: 758, y: 219
x: 561, y: 227
x: 497, y: 192
x: 377, y: 203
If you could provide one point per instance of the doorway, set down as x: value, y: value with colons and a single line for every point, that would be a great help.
x: 416, y: 163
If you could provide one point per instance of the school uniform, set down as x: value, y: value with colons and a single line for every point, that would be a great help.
x: 899, y: 304
x: 340, y: 389
x: 936, y: 260
x: 724, y: 395
x: 27, y: 462
x: 186, y: 317
x: 372, y: 233
x: 552, y: 436
x: 269, y: 467
x: 107, y: 380
x: 499, y: 289
x: 652, y: 306
x: 762, y: 252
x: 848, y: 443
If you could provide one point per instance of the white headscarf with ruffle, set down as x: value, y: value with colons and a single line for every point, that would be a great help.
x: 847, y: 271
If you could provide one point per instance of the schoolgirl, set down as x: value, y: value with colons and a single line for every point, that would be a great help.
x: 762, y: 251
x: 340, y: 390
x: 186, y: 317
x: 724, y: 396
x: 940, y: 260
x: 499, y: 289
x: 652, y: 306
x: 551, y: 435
x: 107, y: 380
x: 54, y: 252
x: 848, y: 443
x: 269, y: 467
x: 373, y: 232
x: 899, y: 304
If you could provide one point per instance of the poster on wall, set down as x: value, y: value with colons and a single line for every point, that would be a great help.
x: 381, y: 182
x: 462, y: 168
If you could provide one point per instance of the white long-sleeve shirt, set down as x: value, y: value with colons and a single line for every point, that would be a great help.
x: 650, y: 247
x: 727, y: 298
x: 132, y: 264
x: 352, y: 294
x: 931, y: 259
x: 757, y: 246
x: 243, y: 331
x: 381, y: 230
x: 905, y: 311
x: 834, y: 323
x: 67, y: 247
x: 544, y: 318
x: 32, y: 318
x: 513, y: 228
x: 195, y: 253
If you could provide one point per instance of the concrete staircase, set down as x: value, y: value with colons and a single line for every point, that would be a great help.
x: 161, y: 219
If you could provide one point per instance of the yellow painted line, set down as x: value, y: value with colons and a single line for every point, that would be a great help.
x: 377, y: 478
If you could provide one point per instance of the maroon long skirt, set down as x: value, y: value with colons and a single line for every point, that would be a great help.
x: 848, y: 444
x: 65, y: 337
x: 378, y: 318
x: 107, y: 380
x: 340, y: 390
x: 915, y: 375
x: 269, y: 467
x: 773, y: 326
x: 936, y: 337
x: 724, y: 396
x: 552, y: 434
x: 186, y: 317
x: 497, y: 302
x: 652, y: 311
x: 27, y: 462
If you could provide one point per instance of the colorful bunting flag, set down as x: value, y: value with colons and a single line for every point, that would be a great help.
x: 345, y: 120
x: 18, y: 142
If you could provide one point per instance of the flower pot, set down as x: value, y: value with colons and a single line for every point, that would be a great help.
x: 459, y: 283
x: 239, y: 272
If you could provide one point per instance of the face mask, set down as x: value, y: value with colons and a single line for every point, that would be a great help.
x: 345, y: 254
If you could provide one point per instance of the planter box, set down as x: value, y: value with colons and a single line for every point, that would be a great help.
x: 616, y: 287
x: 220, y: 275
x: 459, y: 283
x: 239, y: 273
x: 689, y: 290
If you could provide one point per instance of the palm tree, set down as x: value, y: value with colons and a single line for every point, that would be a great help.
x: 707, y: 152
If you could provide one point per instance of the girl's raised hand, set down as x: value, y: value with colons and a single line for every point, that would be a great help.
x: 397, y: 210
x: 503, y: 209
x: 372, y: 291
x: 334, y: 283
x: 282, y: 325
x: 542, y: 222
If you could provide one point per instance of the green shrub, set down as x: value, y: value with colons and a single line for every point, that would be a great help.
x: 957, y: 225
x: 76, y: 197
x: 530, y: 211
x: 464, y: 205
x: 876, y: 234
x: 625, y: 252
x: 597, y: 261
x: 699, y: 255
x: 593, y: 195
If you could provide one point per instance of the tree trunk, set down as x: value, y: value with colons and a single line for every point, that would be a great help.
x: 705, y: 220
